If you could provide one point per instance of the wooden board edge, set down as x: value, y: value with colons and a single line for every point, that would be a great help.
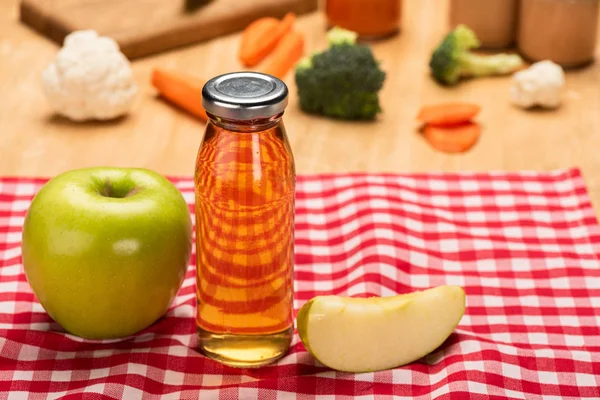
x: 134, y: 49
x: 48, y: 25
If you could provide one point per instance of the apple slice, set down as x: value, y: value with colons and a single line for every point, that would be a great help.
x: 372, y: 334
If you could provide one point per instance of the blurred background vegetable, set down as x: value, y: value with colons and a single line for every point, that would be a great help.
x: 448, y: 113
x: 540, y: 85
x: 285, y: 56
x: 182, y: 90
x: 448, y: 127
x: 342, y: 81
x: 89, y: 79
x: 261, y: 37
x: 453, y: 59
x: 453, y: 139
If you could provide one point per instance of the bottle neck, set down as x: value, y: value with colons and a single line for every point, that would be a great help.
x: 254, y: 125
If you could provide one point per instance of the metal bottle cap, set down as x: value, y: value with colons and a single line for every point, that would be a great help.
x: 244, y: 96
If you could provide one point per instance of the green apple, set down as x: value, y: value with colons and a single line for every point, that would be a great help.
x: 377, y: 333
x: 105, y: 250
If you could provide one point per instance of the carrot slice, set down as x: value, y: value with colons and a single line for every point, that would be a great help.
x: 287, y: 53
x: 253, y: 34
x: 260, y: 38
x: 455, y: 139
x: 448, y: 113
x: 182, y: 90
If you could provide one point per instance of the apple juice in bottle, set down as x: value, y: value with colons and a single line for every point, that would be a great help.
x: 245, y: 187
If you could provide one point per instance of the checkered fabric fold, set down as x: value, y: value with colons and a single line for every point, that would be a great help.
x: 524, y: 246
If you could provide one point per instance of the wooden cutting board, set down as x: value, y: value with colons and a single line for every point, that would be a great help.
x: 144, y: 27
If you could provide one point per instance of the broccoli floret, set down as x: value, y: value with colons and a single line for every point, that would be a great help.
x: 453, y: 59
x: 337, y: 35
x: 342, y: 81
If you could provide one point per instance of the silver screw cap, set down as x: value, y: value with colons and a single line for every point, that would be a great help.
x: 244, y: 96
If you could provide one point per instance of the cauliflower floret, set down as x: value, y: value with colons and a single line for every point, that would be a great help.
x: 89, y: 79
x: 539, y: 85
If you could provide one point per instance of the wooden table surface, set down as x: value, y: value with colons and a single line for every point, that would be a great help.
x: 159, y: 137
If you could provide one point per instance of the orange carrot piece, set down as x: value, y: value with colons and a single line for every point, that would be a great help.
x: 253, y: 34
x: 448, y: 113
x: 287, y: 53
x: 182, y: 90
x: 261, y: 37
x: 455, y: 139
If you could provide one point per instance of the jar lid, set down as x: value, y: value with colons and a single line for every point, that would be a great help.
x: 244, y: 96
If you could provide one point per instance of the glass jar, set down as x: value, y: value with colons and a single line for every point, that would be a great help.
x: 245, y: 189
x: 371, y: 19
x: 493, y: 21
x: 563, y: 31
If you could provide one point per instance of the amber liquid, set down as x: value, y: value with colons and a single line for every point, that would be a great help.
x: 371, y: 19
x: 245, y: 186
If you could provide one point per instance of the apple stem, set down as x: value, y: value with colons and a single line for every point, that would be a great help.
x: 108, y: 190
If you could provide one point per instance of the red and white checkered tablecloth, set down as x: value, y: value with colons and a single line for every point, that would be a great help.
x: 524, y: 246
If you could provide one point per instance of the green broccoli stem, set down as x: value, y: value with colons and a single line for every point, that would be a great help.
x: 479, y: 65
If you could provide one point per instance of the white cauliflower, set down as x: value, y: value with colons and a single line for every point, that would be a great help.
x: 539, y: 85
x: 89, y: 79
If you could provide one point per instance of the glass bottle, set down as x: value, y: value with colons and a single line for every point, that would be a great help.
x: 245, y: 191
x: 371, y: 19
x: 493, y: 21
x: 562, y: 31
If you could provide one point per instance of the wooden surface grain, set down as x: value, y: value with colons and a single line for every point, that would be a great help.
x: 143, y: 27
x: 35, y: 143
